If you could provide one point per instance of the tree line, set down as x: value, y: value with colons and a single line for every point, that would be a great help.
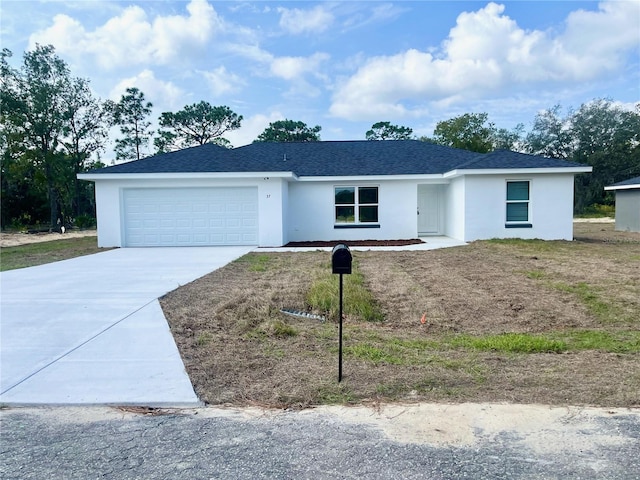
x: 52, y: 128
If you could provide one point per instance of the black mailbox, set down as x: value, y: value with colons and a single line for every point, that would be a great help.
x: 341, y: 259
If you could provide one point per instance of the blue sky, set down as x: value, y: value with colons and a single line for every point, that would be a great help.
x: 343, y: 65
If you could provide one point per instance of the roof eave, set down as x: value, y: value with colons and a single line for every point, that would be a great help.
x: 368, y: 178
x: 515, y: 171
x: 183, y: 175
x: 623, y: 187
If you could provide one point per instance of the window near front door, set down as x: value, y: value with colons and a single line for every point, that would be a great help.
x: 356, y: 205
x: 518, y: 204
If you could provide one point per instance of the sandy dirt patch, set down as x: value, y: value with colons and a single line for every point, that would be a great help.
x: 15, y: 239
x: 468, y: 424
x: 542, y: 428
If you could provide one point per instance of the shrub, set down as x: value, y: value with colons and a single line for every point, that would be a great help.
x: 85, y: 221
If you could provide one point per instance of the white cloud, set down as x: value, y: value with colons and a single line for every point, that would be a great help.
x: 297, y: 70
x: 291, y: 68
x: 164, y: 96
x: 486, y: 53
x: 131, y: 38
x: 357, y: 15
x: 222, y: 82
x: 250, y: 51
x: 251, y: 128
x: 296, y: 21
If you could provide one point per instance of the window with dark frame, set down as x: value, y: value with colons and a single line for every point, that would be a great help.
x: 518, y: 198
x: 356, y: 205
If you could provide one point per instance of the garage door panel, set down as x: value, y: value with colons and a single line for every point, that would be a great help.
x: 199, y: 223
x: 201, y: 239
x: 150, y: 223
x: 196, y: 216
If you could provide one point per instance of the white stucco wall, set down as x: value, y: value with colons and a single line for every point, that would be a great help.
x: 551, y: 207
x: 628, y: 210
x: 292, y: 209
x: 272, y: 198
x: 454, y: 195
x: 311, y: 212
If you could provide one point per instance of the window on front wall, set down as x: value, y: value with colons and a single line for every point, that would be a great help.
x: 518, y: 202
x: 356, y: 205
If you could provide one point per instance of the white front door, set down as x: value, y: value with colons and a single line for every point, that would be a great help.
x: 429, y: 208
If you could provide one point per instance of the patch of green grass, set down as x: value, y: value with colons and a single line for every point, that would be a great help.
x: 535, y: 274
x: 372, y: 353
x: 257, y: 262
x: 391, y: 389
x: 203, y: 339
x: 334, y: 393
x: 282, y: 329
x: 510, y: 343
x: 33, y: 254
x: 415, y: 344
x: 357, y: 299
x: 613, y: 342
x: 272, y: 328
x: 605, y: 311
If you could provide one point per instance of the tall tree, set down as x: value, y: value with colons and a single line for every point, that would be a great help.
x: 289, y: 131
x: 504, y: 139
x: 34, y: 110
x: 194, y: 125
x: 551, y: 135
x: 50, y: 128
x: 387, y: 131
x: 601, y: 134
x: 471, y: 131
x: 131, y: 115
x: 607, y: 137
x: 86, y: 122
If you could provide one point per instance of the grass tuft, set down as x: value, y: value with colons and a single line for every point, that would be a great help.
x: 203, y: 339
x: 535, y: 274
x: 605, y: 311
x: 258, y: 262
x: 373, y: 354
x: 510, y: 343
x: 613, y: 342
x: 358, y: 301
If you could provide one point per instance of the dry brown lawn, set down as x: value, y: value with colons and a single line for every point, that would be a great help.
x: 501, y: 321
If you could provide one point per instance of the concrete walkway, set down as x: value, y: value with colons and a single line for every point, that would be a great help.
x: 90, y: 330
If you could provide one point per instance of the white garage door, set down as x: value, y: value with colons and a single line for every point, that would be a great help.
x: 190, y: 216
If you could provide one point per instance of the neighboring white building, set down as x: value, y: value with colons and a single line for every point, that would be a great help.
x: 269, y: 194
x: 627, y: 204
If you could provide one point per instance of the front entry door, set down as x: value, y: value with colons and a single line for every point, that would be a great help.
x: 429, y: 210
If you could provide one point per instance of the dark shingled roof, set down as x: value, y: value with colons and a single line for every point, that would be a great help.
x: 340, y: 158
x: 509, y: 159
x: 631, y: 181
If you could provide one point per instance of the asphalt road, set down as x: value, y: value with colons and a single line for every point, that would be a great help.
x: 207, y: 443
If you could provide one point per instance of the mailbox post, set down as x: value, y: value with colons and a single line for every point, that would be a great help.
x: 340, y: 264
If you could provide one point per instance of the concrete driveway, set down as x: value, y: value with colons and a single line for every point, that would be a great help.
x: 90, y: 330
